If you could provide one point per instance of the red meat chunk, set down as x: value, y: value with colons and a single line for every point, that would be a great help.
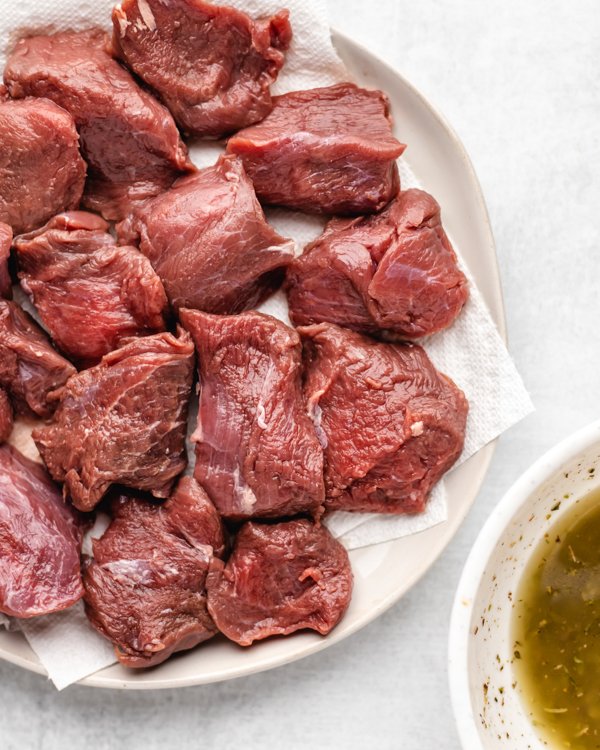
x: 257, y: 454
x: 145, y: 589
x: 211, y: 65
x: 122, y: 421
x: 40, y: 541
x: 327, y: 150
x: 129, y: 140
x: 41, y: 169
x: 5, y: 245
x: 280, y: 578
x: 6, y: 416
x: 30, y: 369
x: 390, y: 423
x: 89, y: 293
x: 209, y: 241
x: 395, y: 270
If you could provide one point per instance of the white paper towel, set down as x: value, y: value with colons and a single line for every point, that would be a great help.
x: 67, y: 645
x: 471, y: 352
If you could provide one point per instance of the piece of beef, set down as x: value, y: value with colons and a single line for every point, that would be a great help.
x: 257, y: 454
x: 389, y: 422
x: 122, y: 421
x: 280, y: 578
x: 41, y: 169
x: 145, y: 589
x: 40, y: 541
x: 327, y: 150
x: 209, y: 241
x: 395, y: 271
x: 6, y: 416
x: 89, y: 293
x: 6, y: 237
x: 30, y: 369
x: 211, y: 65
x: 129, y: 140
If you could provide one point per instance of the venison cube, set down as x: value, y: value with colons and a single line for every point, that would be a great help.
x: 211, y: 65
x: 257, y: 454
x: 327, y: 150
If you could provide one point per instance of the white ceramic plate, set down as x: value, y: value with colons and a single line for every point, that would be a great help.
x: 385, y: 572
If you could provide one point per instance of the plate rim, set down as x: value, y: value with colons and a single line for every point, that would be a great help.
x: 451, y: 526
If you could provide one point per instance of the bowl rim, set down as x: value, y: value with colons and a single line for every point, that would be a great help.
x: 459, y: 636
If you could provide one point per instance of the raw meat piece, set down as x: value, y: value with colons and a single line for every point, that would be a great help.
x: 6, y: 416
x: 129, y: 140
x: 208, y: 240
x: 122, y: 421
x: 257, y: 454
x: 40, y: 541
x: 328, y: 150
x: 5, y: 245
x: 89, y: 293
x: 145, y: 589
x: 211, y: 65
x: 395, y: 270
x: 41, y: 169
x: 30, y: 369
x: 280, y: 578
x: 390, y: 423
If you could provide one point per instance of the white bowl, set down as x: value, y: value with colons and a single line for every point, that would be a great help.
x: 488, y: 707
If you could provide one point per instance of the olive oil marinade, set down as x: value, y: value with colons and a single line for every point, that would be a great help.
x: 556, y: 630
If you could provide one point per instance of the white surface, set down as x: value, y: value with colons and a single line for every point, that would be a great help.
x: 471, y: 352
x: 518, y: 82
x: 490, y: 709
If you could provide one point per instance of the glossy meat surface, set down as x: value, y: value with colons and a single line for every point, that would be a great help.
x: 390, y: 423
x: 5, y: 245
x: 280, y: 578
x: 122, y: 421
x: 257, y: 454
x: 211, y: 65
x: 327, y: 150
x: 208, y: 240
x: 40, y: 541
x: 395, y: 271
x: 6, y: 416
x: 89, y: 293
x: 41, y: 169
x: 30, y: 369
x: 129, y: 140
x: 145, y: 589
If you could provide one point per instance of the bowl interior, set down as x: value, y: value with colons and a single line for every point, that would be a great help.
x: 499, y: 716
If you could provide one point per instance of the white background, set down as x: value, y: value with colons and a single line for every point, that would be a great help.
x: 520, y: 82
